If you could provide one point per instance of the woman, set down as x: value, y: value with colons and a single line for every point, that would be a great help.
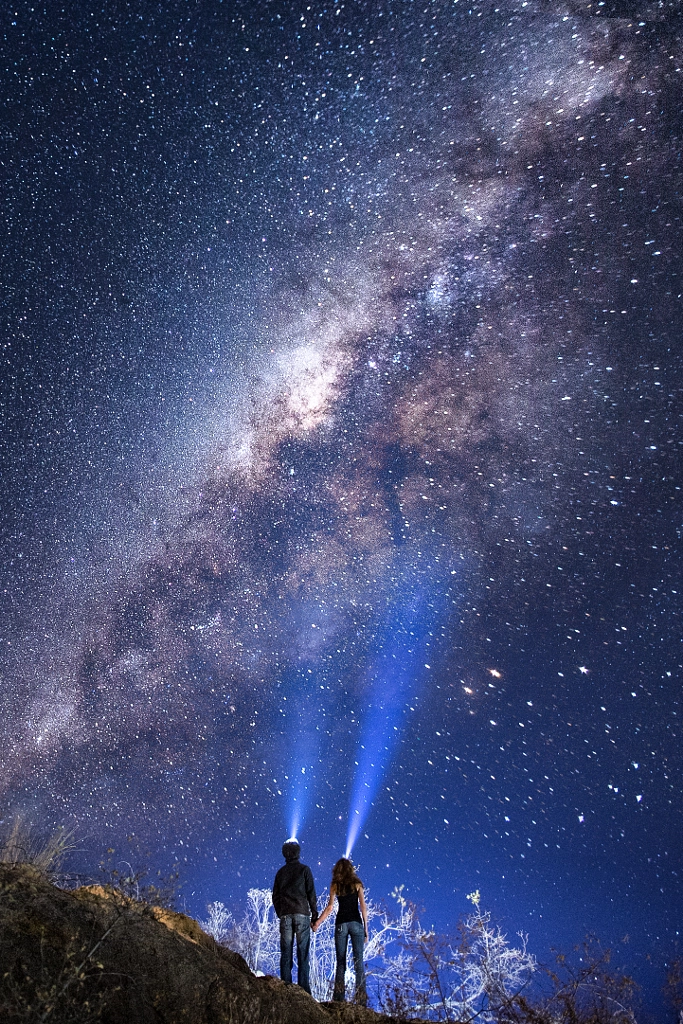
x: 351, y: 923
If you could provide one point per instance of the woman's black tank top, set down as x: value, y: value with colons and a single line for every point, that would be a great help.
x: 348, y: 909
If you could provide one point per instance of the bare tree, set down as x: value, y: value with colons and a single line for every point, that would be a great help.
x: 492, y: 973
x: 255, y: 936
x: 220, y: 923
x: 579, y: 989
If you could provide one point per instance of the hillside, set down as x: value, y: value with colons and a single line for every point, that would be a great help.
x: 91, y: 954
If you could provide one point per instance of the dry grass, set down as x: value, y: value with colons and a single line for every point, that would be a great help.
x: 21, y: 845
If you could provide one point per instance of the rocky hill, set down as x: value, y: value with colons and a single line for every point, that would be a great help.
x: 91, y: 954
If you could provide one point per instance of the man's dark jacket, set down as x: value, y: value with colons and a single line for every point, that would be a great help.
x: 294, y: 891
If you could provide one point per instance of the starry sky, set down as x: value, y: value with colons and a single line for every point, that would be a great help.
x: 341, y: 405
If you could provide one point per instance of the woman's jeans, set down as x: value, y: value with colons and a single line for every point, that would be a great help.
x: 355, y: 931
x: 299, y: 925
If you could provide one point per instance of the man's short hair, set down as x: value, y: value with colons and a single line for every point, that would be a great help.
x: 291, y: 850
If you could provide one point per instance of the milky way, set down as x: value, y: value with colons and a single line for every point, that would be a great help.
x: 333, y: 336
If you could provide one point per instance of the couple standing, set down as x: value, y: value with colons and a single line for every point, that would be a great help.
x: 296, y: 905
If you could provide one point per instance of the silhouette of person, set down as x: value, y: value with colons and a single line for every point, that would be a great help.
x: 351, y: 923
x: 296, y: 905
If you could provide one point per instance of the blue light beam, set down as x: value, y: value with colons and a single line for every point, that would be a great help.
x: 300, y: 784
x: 394, y: 678
x: 303, y: 745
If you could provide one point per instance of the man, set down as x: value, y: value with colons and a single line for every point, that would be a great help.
x: 295, y: 904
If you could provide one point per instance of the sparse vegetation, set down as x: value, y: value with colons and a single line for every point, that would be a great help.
x: 673, y: 989
x: 581, y: 989
x: 135, y: 883
x: 21, y: 844
x: 67, y: 989
x: 413, y: 973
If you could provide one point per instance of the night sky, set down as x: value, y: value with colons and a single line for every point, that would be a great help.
x: 341, y: 448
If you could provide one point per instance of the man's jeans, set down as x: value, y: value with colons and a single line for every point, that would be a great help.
x: 291, y: 925
x: 355, y: 931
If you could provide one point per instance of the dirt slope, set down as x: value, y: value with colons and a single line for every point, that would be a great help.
x: 93, y: 955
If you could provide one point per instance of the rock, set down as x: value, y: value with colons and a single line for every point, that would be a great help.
x: 92, y: 954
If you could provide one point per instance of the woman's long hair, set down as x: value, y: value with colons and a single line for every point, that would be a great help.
x: 344, y: 877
